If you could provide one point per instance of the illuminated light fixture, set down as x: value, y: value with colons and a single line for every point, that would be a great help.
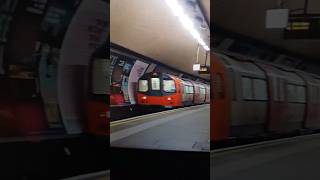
x: 169, y: 98
x: 186, y: 22
x: 144, y: 97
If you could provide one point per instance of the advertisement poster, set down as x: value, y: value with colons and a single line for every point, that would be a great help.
x: 137, y: 71
x: 89, y: 23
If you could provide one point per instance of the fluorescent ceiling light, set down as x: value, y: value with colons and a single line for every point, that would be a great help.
x: 186, y: 22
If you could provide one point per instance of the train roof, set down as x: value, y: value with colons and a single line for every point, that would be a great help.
x: 293, y: 75
x: 173, y: 77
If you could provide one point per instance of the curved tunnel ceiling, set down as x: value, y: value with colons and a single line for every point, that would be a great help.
x: 247, y: 17
x: 150, y: 28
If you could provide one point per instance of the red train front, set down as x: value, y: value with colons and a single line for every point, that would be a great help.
x: 161, y: 90
x: 165, y: 90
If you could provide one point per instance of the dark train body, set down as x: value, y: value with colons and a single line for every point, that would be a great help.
x: 254, y: 99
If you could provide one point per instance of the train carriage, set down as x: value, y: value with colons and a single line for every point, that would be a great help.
x: 253, y: 98
x: 168, y: 91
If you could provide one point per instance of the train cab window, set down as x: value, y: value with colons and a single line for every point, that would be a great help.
x: 143, y: 85
x: 155, y: 83
x: 169, y: 86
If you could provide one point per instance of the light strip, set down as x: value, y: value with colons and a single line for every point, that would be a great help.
x: 186, y: 22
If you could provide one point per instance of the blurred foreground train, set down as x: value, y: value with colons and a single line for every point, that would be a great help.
x: 252, y: 98
x: 168, y: 91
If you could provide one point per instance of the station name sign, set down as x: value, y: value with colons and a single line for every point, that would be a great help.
x: 303, y: 27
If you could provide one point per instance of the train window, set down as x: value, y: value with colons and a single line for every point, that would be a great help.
x: 281, y: 90
x: 143, y: 85
x: 191, y: 89
x: 155, y: 83
x: 202, y: 91
x: 260, y: 89
x: 313, y: 94
x: 232, y: 83
x: 301, y: 94
x: 275, y: 89
x: 188, y: 89
x: 218, y: 86
x: 169, y: 86
x: 296, y: 93
x: 254, y: 89
x: 291, y: 93
x: 247, y: 88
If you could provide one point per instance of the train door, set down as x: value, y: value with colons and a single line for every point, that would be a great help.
x: 312, y: 114
x: 277, y: 105
x: 202, y: 94
x: 220, y: 101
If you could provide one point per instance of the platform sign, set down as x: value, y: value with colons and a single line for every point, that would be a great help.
x: 204, y: 70
x: 303, y: 27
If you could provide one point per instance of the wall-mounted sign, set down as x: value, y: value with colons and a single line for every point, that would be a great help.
x: 196, y: 67
x: 303, y: 27
x: 36, y: 6
x: 277, y: 18
x: 204, y: 69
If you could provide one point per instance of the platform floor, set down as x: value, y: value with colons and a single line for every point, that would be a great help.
x: 186, y: 129
x: 294, y: 159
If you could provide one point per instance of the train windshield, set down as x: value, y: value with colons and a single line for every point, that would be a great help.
x: 169, y: 86
x: 143, y: 85
x: 155, y: 83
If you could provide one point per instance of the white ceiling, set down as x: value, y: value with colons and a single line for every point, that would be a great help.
x: 149, y: 27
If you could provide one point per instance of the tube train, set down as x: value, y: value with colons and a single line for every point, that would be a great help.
x: 168, y: 91
x: 252, y: 98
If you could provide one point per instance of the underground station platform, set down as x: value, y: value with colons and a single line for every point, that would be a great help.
x: 184, y: 129
x: 292, y: 158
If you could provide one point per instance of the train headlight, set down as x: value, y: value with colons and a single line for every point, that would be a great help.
x: 169, y: 98
x: 144, y: 97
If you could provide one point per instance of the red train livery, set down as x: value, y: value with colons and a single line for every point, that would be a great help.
x: 252, y: 98
x: 165, y: 90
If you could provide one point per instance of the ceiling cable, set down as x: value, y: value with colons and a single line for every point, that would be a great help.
x: 205, y: 63
x: 198, y: 48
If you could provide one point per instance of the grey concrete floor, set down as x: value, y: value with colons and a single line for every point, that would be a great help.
x: 298, y: 159
x: 183, y: 130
